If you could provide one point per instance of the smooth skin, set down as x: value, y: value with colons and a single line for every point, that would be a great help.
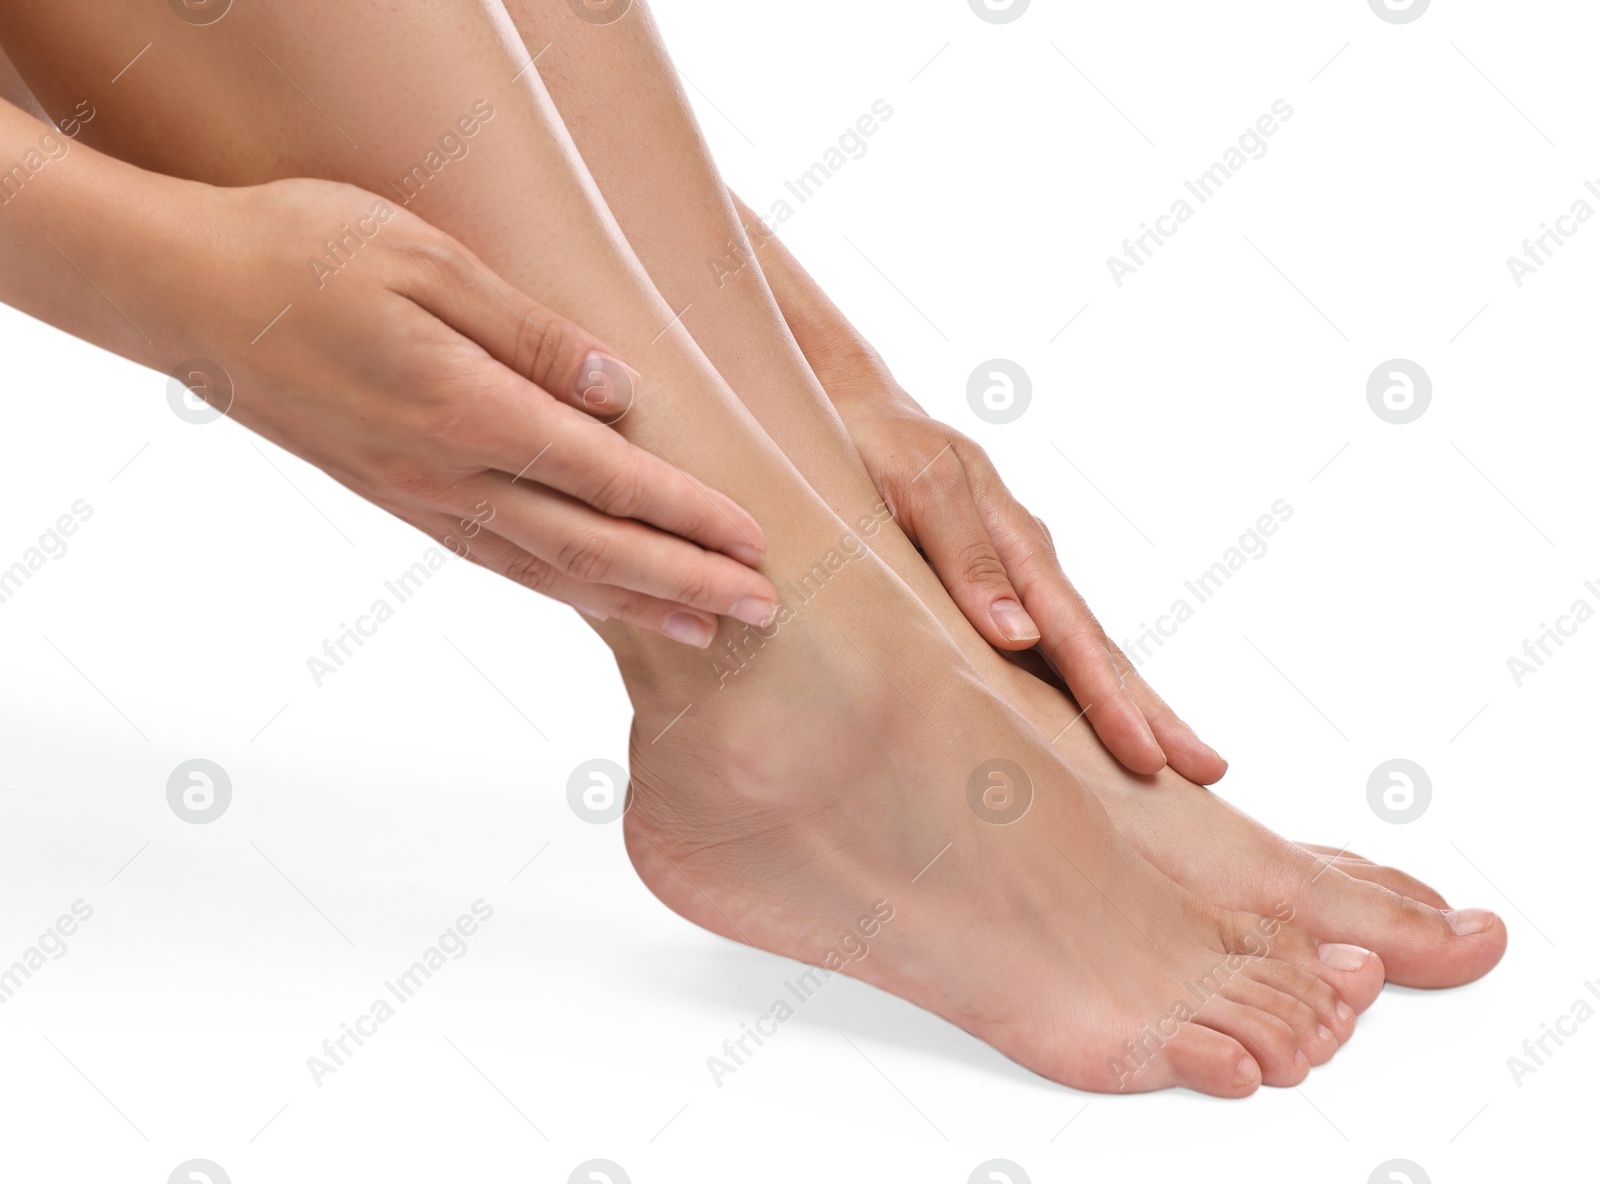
x: 821, y: 392
x: 397, y: 362
x: 830, y: 402
x: 806, y: 788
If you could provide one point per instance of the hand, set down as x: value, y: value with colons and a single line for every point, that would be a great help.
x: 999, y: 564
x: 411, y: 374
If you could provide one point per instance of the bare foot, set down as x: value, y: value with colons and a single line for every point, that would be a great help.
x: 858, y: 798
x: 1229, y: 859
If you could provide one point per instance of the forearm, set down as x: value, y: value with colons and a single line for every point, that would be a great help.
x: 84, y: 237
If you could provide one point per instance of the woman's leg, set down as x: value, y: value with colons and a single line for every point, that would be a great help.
x: 641, y: 144
x: 841, y: 787
x: 645, y: 152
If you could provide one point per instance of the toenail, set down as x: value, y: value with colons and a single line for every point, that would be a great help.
x: 1343, y: 957
x: 1013, y: 621
x: 1301, y: 1061
x: 1325, y: 1032
x: 688, y: 629
x: 752, y: 610
x: 1344, y: 1011
x: 1464, y: 922
x: 1247, y: 1072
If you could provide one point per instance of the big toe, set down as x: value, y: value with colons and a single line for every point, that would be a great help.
x: 1421, y: 946
x: 1390, y: 877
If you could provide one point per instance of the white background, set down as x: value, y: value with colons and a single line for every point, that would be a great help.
x: 1228, y: 373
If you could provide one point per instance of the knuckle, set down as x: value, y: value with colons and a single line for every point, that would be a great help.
x: 944, y: 475
x: 977, y: 563
x: 586, y: 557
x: 530, y: 571
x: 428, y: 258
x: 696, y: 586
x: 620, y: 493
x: 635, y: 608
x: 968, y: 451
x: 544, y: 348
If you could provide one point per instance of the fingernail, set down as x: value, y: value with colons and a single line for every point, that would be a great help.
x: 1343, y: 957
x: 606, y: 384
x: 1301, y: 1061
x: 1464, y: 922
x: 591, y: 615
x: 1344, y: 1010
x: 1013, y: 621
x: 690, y: 630
x: 1246, y: 1072
x: 744, y: 553
x: 1325, y: 1032
x: 752, y: 610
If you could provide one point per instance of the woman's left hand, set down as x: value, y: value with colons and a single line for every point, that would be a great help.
x: 999, y: 564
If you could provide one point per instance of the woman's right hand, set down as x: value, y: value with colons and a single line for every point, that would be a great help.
x: 399, y: 364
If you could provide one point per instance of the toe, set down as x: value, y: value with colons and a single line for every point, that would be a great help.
x: 1211, y: 1062
x: 1333, y: 1013
x: 1313, y: 1039
x: 1353, y: 971
x: 1420, y: 945
x: 1395, y: 880
x: 1391, y: 878
x: 1269, y: 1040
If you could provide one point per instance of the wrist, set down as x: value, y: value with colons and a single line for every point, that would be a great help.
x: 89, y: 237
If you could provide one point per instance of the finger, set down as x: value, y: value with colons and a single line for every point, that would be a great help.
x: 937, y: 513
x: 1025, y: 539
x: 603, y: 602
x: 547, y: 349
x: 595, y: 548
x: 532, y: 439
x: 1188, y: 754
x: 1072, y: 638
x: 515, y: 431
